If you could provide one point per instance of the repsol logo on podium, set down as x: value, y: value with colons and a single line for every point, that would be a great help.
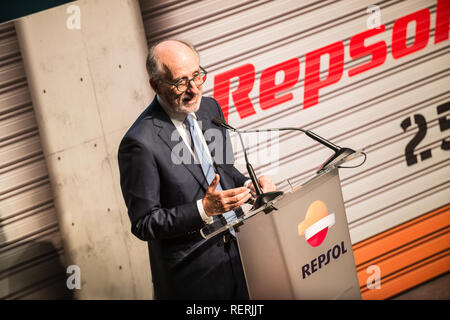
x: 323, y: 259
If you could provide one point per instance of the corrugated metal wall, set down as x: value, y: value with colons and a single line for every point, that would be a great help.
x: 406, y: 255
x: 31, y: 248
x: 401, y: 105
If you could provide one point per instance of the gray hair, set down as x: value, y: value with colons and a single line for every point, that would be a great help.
x: 154, y: 66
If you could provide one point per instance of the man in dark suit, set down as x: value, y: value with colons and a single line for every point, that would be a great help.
x: 172, y: 192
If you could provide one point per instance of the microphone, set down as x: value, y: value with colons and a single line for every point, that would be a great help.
x: 339, y: 152
x: 261, y: 198
x: 221, y: 123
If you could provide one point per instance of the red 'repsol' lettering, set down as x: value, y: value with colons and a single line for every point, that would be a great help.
x: 399, y: 33
x: 313, y: 82
x: 442, y: 21
x: 241, y: 99
x: 268, y: 89
x: 378, y: 50
x: 273, y: 94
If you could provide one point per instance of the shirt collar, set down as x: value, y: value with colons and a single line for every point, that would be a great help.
x: 174, y: 116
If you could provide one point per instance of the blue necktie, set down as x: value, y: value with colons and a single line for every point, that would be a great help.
x: 207, y: 167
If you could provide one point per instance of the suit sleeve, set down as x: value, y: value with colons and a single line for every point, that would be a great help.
x: 140, y: 185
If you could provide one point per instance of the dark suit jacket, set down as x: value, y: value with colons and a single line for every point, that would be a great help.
x: 161, y: 198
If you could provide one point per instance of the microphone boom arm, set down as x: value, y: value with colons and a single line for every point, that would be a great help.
x: 261, y: 198
x: 339, y: 153
x: 250, y: 170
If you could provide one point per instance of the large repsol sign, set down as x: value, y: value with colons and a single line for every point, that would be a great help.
x: 272, y: 94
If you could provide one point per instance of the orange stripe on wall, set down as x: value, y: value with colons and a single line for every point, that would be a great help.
x: 406, y: 255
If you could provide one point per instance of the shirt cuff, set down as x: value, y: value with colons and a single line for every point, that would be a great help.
x: 206, y: 219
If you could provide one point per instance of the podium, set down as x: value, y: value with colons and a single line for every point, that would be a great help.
x: 303, y: 249
x: 281, y: 263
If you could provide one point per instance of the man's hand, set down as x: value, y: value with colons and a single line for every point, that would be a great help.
x: 266, y: 184
x: 217, y: 202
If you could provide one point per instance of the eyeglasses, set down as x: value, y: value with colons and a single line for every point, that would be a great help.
x: 183, y: 84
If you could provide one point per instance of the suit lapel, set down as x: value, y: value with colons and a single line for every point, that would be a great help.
x: 165, y: 131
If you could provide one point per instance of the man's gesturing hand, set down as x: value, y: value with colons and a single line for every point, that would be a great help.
x: 217, y: 202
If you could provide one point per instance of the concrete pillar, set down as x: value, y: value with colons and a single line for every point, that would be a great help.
x: 88, y: 85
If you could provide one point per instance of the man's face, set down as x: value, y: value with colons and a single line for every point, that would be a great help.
x: 178, y: 64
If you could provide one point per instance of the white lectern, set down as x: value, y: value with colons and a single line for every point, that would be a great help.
x: 303, y: 249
